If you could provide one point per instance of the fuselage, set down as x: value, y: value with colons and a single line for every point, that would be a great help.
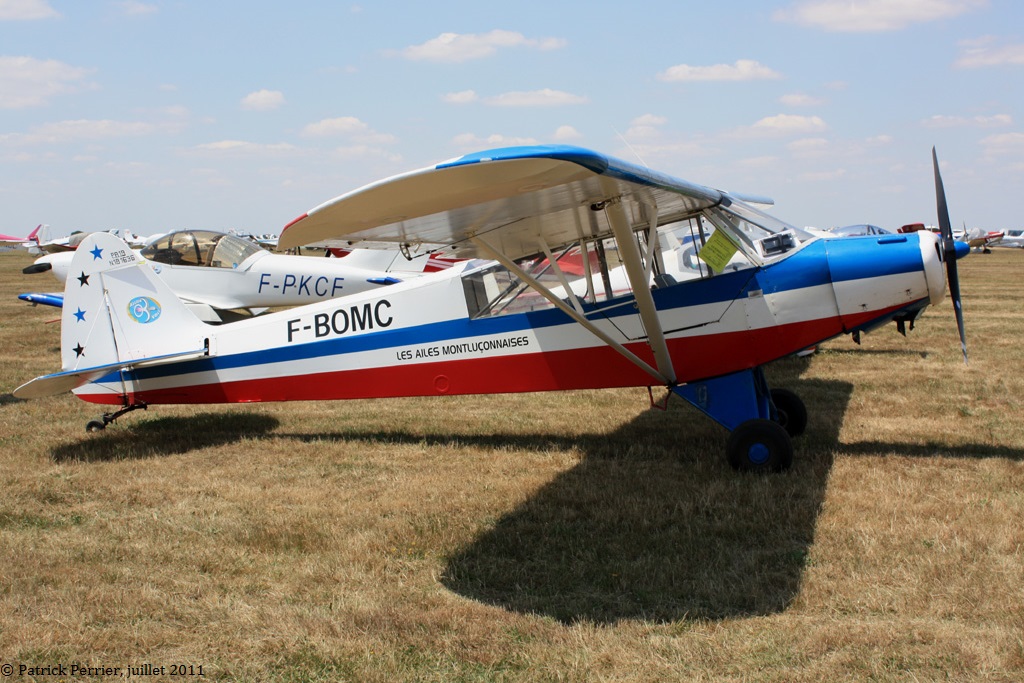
x: 424, y: 337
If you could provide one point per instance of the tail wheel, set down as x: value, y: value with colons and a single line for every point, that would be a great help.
x: 791, y: 411
x: 760, y: 446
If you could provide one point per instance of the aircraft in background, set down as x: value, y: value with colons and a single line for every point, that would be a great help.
x: 859, y: 230
x: 215, y: 273
x: 976, y: 238
x: 980, y: 239
x: 509, y: 318
x: 26, y: 242
x: 1011, y: 238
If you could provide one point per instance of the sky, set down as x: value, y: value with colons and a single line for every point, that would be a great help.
x: 155, y: 115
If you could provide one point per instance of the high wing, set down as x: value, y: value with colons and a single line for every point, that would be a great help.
x: 514, y: 198
x: 507, y: 204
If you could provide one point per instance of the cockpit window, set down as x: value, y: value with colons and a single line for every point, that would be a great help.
x: 761, y: 236
x: 200, y: 248
x: 723, y: 238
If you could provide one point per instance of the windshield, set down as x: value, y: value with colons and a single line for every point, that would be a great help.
x: 724, y: 238
x: 761, y: 236
x: 200, y: 248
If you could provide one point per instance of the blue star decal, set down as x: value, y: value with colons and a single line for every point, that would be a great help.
x: 97, y: 253
x: 80, y: 314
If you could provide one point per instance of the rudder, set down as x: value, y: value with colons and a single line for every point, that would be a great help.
x: 116, y: 309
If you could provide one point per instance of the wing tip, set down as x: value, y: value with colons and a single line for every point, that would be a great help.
x: 282, y: 241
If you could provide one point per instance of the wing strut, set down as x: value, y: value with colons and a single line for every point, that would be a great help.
x: 569, y: 311
x: 630, y: 255
x: 571, y: 295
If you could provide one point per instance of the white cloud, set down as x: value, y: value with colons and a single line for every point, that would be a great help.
x: 463, y: 47
x: 985, y: 52
x: 342, y: 125
x: 563, y: 133
x: 649, y: 120
x: 801, y: 100
x: 86, y: 130
x: 361, y: 141
x: 850, y: 16
x: 806, y: 147
x: 29, y: 82
x: 670, y: 150
x: 535, y: 98
x: 263, y: 100
x: 939, y: 121
x: 244, y: 147
x: 1004, y: 143
x: 462, y: 97
x: 741, y: 70
x: 473, y: 142
x: 24, y: 10
x: 642, y: 131
x: 784, y: 124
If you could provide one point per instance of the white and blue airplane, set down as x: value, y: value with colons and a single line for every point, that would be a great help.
x: 510, y: 318
x: 215, y: 273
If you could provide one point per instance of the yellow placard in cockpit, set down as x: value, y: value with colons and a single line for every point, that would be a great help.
x: 717, y: 252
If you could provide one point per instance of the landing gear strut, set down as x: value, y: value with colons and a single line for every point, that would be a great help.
x: 790, y: 411
x: 761, y: 421
x: 107, y: 418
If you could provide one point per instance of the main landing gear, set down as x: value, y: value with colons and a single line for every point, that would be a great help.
x: 761, y: 421
x: 101, y: 424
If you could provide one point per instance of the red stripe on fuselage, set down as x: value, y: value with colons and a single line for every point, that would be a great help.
x: 695, y: 358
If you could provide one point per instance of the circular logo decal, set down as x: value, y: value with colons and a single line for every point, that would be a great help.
x: 143, y: 310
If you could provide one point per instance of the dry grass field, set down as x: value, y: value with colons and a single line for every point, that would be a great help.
x: 550, y: 537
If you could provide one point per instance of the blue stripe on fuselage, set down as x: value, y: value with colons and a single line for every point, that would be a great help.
x: 847, y: 258
x: 721, y: 288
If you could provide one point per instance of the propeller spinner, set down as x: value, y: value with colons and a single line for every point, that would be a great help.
x: 950, y: 254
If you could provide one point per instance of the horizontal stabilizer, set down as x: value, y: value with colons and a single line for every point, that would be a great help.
x: 45, y: 298
x: 60, y: 382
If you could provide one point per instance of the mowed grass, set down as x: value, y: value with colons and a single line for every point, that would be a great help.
x: 567, y: 536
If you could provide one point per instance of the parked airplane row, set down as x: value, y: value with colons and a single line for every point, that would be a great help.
x: 574, y: 270
x: 218, y: 275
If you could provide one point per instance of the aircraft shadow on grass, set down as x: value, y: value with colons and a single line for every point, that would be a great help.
x: 681, y: 536
x: 165, y: 436
x: 663, y: 533
x: 652, y: 524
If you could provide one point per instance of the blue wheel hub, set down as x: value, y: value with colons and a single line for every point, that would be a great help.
x: 758, y: 453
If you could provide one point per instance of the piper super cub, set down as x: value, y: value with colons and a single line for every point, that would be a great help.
x: 582, y: 271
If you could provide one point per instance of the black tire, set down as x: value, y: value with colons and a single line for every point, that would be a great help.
x: 791, y: 411
x: 759, y: 446
x: 95, y: 426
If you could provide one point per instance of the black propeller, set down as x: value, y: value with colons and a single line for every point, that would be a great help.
x: 949, y: 253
